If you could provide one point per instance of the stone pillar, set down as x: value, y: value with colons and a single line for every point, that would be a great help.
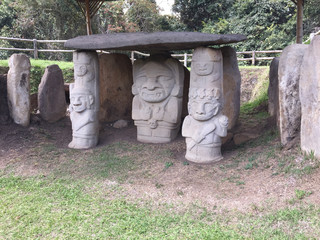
x: 157, y: 102
x: 289, y: 102
x: 115, y: 87
x: 18, y: 87
x: 310, y: 98
x: 84, y: 100
x: 4, y: 108
x: 273, y: 91
x: 205, y: 124
x: 51, y: 95
x: 231, y: 86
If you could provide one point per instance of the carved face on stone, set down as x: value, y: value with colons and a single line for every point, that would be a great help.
x: 154, y: 82
x: 80, y: 101
x: 83, y: 66
x: 203, y: 68
x: 203, y: 109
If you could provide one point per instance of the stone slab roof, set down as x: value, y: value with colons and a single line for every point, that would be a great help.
x: 151, y: 42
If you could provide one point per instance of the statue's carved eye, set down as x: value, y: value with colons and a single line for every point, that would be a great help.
x: 163, y: 78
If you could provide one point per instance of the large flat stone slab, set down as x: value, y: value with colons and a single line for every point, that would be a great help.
x: 151, y: 42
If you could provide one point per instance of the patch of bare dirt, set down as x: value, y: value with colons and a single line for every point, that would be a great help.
x: 247, y: 177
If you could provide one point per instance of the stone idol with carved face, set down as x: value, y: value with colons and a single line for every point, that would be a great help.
x: 84, y: 101
x: 205, y: 124
x: 157, y: 102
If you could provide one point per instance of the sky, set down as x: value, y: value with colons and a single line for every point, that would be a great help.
x: 165, y: 5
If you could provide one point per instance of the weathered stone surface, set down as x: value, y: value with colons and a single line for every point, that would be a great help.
x: 18, y: 86
x: 152, y: 42
x: 51, y: 95
x: 115, y: 87
x: 231, y: 86
x: 120, y: 124
x: 84, y: 101
x: 205, y: 124
x: 289, y: 103
x: 157, y: 102
x: 185, y: 97
x: 273, y: 90
x: 310, y: 98
x: 4, y: 108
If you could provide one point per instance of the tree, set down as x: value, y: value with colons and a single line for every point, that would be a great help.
x: 193, y: 13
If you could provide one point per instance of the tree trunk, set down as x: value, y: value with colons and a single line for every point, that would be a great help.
x: 299, y: 21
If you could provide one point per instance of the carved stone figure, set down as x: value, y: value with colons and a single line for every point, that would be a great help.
x: 84, y: 101
x: 157, y: 102
x: 18, y: 87
x: 205, y: 125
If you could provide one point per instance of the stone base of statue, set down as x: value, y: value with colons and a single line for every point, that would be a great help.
x: 203, y: 154
x: 83, y: 141
x: 156, y: 132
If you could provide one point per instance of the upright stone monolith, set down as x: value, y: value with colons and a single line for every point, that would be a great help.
x: 231, y: 86
x: 310, y: 98
x: 51, y: 95
x: 18, y: 86
x: 84, y: 100
x: 289, y: 102
x: 115, y: 87
x: 205, y: 124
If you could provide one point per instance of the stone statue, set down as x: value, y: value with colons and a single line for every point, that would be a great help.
x: 205, y: 124
x: 18, y: 87
x: 157, y: 102
x: 84, y: 101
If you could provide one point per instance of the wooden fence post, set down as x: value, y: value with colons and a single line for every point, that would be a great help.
x: 35, y: 49
x: 253, y: 58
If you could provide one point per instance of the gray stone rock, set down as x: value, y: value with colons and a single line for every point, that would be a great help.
x: 120, y: 124
x: 231, y: 86
x: 273, y: 90
x: 289, y: 103
x: 51, y: 95
x: 4, y: 108
x: 18, y: 86
x: 152, y: 42
x: 115, y: 87
x: 310, y: 98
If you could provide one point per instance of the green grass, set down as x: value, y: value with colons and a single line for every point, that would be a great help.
x: 38, y: 68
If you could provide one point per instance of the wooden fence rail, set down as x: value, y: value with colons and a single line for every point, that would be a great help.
x: 184, y: 58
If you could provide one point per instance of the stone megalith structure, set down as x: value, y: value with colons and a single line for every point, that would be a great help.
x: 309, y: 91
x: 51, y: 95
x: 231, y: 86
x: 84, y: 100
x: 4, y: 108
x: 273, y: 90
x: 18, y: 87
x: 157, y: 102
x: 289, y: 102
x: 115, y: 87
x: 205, y: 124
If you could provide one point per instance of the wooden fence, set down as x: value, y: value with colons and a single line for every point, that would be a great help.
x: 185, y: 58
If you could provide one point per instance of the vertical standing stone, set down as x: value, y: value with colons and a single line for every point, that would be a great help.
x: 205, y: 124
x: 231, y: 86
x: 51, y: 95
x: 310, y: 98
x: 84, y: 100
x: 115, y: 87
x: 157, y: 102
x: 273, y: 90
x: 289, y: 103
x: 18, y: 86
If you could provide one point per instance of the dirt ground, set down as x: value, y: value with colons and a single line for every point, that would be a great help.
x: 252, y: 175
